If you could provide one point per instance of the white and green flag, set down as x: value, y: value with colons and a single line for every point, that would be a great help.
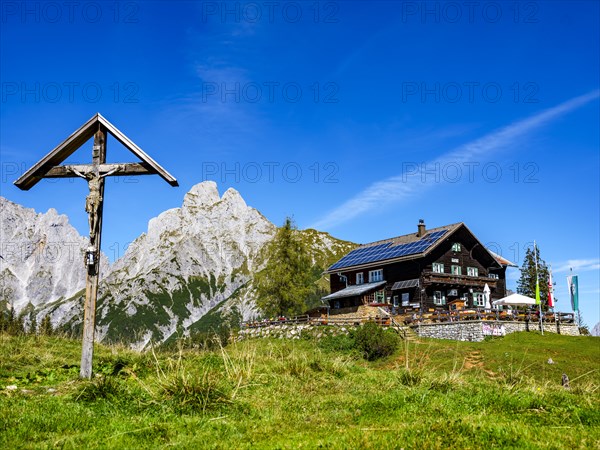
x: 572, y: 283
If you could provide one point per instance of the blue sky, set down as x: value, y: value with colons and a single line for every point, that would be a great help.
x: 358, y: 118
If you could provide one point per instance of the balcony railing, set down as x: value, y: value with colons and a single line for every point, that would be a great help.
x: 431, y: 277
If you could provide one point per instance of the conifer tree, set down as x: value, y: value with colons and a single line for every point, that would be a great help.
x: 19, y: 325
x: 46, y: 326
x: 32, y: 324
x: 526, y: 284
x: 14, y: 324
x: 11, y: 323
x: 285, y: 284
x: 583, y: 328
x: 11, y: 317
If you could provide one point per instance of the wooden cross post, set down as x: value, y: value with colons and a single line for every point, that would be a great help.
x: 94, y: 208
x: 94, y: 173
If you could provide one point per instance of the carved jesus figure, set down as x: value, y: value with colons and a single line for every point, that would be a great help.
x: 93, y: 200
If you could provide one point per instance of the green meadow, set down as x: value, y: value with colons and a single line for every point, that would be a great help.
x: 306, y: 393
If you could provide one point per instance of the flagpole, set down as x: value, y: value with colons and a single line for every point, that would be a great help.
x: 537, y: 287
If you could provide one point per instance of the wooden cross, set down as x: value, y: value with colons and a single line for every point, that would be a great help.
x: 94, y: 173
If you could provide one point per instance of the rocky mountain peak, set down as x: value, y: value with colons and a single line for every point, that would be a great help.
x: 202, y: 194
x: 42, y: 256
x: 234, y: 199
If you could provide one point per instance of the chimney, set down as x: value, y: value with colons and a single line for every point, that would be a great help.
x: 421, y: 228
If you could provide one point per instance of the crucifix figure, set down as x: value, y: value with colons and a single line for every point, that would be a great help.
x: 94, y: 198
x: 94, y: 173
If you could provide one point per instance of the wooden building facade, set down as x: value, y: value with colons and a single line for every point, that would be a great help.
x: 428, y: 269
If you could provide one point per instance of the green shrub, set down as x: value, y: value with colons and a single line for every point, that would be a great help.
x: 340, y: 343
x: 374, y: 342
x: 584, y: 331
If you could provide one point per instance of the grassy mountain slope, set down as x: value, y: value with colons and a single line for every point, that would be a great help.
x: 500, y: 393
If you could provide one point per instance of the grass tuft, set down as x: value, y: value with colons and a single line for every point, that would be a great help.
x: 101, y: 388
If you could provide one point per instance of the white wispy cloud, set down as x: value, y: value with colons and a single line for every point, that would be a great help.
x: 578, y: 265
x: 408, y: 184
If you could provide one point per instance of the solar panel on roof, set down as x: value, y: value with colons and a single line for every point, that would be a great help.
x: 382, y: 252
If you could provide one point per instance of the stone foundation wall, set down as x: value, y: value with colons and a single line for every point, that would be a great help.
x: 476, y: 330
x: 362, y: 312
x: 472, y: 330
x: 291, y: 331
x: 457, y: 331
x: 568, y: 329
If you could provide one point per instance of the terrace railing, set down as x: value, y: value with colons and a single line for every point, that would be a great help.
x: 398, y: 322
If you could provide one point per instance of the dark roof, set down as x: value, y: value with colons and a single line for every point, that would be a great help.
x: 390, y: 244
x: 66, y: 148
x: 413, y: 237
x: 354, y: 290
x: 387, y: 248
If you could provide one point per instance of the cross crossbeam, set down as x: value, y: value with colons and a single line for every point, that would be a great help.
x: 119, y: 169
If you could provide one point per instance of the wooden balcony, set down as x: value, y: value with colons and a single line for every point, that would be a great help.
x: 450, y: 280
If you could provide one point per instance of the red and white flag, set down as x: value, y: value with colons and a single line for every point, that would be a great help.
x: 550, y: 290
